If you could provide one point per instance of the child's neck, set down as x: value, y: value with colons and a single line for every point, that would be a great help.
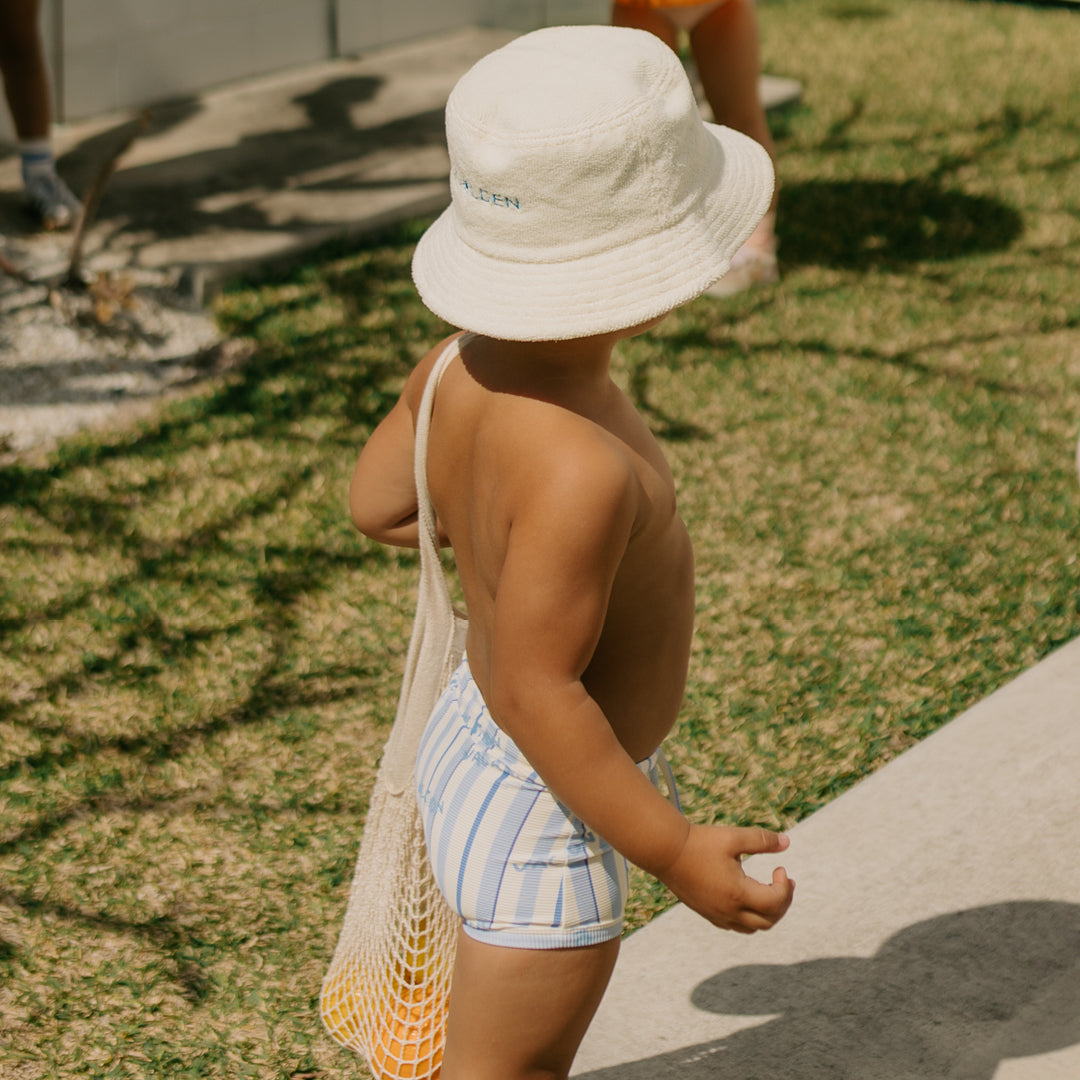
x: 543, y: 368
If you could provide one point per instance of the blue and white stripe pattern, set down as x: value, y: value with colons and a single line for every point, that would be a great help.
x: 512, y: 860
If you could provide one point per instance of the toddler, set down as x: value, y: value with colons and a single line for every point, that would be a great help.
x: 588, y: 200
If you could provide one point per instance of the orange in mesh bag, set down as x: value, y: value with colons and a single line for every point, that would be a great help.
x: 408, y: 1039
x: 386, y: 994
x: 405, y: 1018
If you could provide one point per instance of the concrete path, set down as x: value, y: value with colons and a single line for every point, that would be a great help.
x: 232, y: 181
x: 267, y: 170
x: 935, y: 933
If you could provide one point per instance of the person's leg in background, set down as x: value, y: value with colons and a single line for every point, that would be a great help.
x: 29, y: 98
x: 727, y: 53
x: 639, y: 17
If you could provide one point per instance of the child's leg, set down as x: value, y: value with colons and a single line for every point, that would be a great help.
x: 520, y: 1014
x: 643, y: 18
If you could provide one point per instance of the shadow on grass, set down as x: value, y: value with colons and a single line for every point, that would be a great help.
x: 856, y: 12
x: 1067, y: 5
x: 318, y: 390
x: 662, y: 424
x: 172, y: 941
x: 863, y: 224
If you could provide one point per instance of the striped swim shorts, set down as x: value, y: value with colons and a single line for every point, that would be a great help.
x: 518, y: 867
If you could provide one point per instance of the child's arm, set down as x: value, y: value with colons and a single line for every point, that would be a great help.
x: 567, y: 540
x: 382, y: 495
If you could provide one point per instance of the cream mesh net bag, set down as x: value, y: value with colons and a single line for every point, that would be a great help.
x: 387, y: 990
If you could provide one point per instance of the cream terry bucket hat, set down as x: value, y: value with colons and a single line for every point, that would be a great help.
x: 587, y: 194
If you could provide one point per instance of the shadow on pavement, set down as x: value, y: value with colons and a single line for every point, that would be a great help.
x: 327, y: 152
x: 948, y: 998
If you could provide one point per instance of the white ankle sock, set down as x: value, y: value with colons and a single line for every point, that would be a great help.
x: 37, y: 156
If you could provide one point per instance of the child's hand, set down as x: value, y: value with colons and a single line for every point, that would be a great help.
x: 708, y: 876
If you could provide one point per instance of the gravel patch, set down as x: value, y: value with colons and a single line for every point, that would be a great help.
x: 71, y: 360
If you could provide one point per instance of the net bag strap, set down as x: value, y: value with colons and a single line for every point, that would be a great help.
x: 436, y: 637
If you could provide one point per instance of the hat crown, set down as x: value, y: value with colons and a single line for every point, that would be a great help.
x: 587, y: 194
x: 561, y: 80
x: 555, y: 140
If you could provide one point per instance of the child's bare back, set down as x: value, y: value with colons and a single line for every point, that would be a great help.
x: 623, y: 608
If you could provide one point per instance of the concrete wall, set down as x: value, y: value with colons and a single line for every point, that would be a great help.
x: 369, y: 24
x: 120, y: 54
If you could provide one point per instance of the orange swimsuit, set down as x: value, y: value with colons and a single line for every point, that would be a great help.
x: 682, y: 14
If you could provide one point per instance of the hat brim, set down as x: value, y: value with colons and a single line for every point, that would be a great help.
x: 627, y: 284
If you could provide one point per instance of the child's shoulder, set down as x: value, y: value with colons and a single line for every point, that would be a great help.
x: 528, y: 448
x: 559, y: 467
x: 418, y: 377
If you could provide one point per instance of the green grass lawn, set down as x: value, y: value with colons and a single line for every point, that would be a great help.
x: 200, y: 658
